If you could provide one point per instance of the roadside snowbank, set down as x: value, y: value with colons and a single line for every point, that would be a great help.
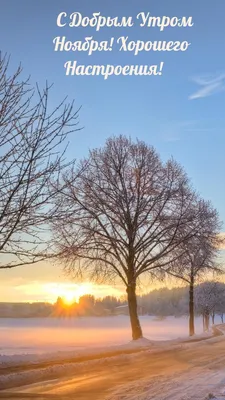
x: 22, y: 378
x: 25, y: 359
x: 81, y: 353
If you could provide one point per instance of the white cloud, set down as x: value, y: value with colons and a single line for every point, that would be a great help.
x: 209, y: 86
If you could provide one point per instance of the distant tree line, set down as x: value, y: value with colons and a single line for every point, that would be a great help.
x: 210, y: 301
x: 88, y: 305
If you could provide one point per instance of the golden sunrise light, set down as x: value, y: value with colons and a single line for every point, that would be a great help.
x: 69, y: 292
x: 48, y: 291
x: 68, y: 298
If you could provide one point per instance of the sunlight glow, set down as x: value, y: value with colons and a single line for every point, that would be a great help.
x: 39, y: 291
x: 68, y: 298
x: 69, y: 292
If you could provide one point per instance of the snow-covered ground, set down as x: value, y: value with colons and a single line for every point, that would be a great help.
x: 191, y: 371
x: 49, y: 335
x: 68, y: 369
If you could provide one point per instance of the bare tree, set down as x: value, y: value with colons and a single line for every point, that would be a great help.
x: 208, y: 299
x: 125, y: 213
x: 198, y: 254
x: 220, y: 306
x: 33, y: 139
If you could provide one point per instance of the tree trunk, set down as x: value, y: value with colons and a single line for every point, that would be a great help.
x: 207, y: 322
x: 213, y: 317
x: 222, y: 318
x: 191, y: 307
x: 203, y: 321
x: 132, y: 304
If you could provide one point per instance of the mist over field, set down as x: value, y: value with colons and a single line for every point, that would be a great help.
x: 41, y: 335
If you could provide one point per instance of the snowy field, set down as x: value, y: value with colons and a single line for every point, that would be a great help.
x: 48, y: 335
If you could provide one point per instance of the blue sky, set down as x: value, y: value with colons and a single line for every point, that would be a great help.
x: 181, y: 112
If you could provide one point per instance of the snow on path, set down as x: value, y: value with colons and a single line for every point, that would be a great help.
x: 205, y: 382
x: 190, y: 385
x: 191, y: 371
x: 24, y: 377
x: 28, y: 377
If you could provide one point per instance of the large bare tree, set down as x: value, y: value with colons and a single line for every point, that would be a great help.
x: 33, y: 140
x: 199, y: 254
x: 124, y: 214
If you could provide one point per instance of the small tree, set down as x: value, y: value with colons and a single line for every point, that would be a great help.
x: 87, y: 303
x: 198, y: 255
x: 220, y: 306
x: 109, y: 302
x: 32, y: 140
x: 208, y: 298
x: 125, y: 213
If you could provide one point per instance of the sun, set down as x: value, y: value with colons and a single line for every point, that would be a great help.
x: 69, y: 292
x: 68, y: 298
x: 71, y: 295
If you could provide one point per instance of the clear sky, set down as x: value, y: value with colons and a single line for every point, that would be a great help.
x: 181, y: 112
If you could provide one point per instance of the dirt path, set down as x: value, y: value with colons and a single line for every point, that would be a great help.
x: 186, y: 373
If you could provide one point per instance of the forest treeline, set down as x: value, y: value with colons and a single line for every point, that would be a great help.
x: 209, y: 300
